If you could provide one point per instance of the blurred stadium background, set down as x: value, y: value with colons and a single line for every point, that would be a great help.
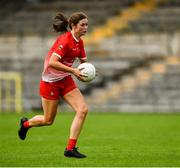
x: 134, y: 44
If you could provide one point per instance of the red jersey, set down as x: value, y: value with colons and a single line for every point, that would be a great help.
x: 67, y: 48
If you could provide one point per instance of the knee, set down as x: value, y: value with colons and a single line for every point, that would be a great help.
x: 82, y: 112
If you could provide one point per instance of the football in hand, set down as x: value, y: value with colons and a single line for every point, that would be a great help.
x: 88, y: 70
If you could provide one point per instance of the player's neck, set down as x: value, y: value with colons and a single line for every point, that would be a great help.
x: 75, y: 35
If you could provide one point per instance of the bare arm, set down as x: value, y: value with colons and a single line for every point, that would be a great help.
x: 54, y: 62
x: 82, y: 61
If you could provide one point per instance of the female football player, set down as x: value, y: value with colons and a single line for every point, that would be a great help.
x: 57, y: 79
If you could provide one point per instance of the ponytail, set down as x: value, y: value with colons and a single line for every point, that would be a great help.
x: 60, y: 23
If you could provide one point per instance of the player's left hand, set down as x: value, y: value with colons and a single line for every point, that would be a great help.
x: 79, y: 75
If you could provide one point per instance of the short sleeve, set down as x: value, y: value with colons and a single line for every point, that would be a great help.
x: 61, y: 47
x: 82, y: 55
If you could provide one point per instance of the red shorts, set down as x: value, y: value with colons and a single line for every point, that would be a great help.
x: 55, y: 90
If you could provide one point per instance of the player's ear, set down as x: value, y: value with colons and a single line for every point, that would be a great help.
x: 73, y: 25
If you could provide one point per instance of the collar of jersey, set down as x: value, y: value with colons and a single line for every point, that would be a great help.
x: 74, y: 37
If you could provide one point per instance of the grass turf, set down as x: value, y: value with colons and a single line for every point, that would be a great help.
x: 111, y: 139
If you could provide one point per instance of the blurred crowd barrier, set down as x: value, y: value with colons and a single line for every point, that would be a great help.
x: 134, y: 45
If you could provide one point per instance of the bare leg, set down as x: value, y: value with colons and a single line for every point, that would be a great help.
x: 77, y: 102
x: 50, y: 109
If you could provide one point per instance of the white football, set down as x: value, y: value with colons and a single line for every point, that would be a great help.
x: 89, y: 70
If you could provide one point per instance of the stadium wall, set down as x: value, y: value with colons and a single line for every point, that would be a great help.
x: 25, y: 54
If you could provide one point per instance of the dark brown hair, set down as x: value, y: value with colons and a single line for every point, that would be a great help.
x: 61, y: 22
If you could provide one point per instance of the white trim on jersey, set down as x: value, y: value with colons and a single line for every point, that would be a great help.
x: 83, y: 58
x: 74, y: 37
x: 57, y: 55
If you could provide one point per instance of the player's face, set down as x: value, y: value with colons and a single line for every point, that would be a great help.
x: 81, y: 27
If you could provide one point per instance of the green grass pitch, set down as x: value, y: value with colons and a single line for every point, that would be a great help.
x: 108, y: 139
